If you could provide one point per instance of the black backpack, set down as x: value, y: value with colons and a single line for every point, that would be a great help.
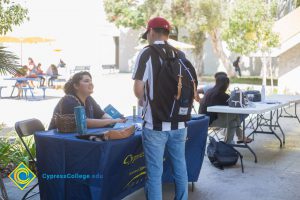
x: 174, y: 86
x: 221, y: 154
x: 238, y: 99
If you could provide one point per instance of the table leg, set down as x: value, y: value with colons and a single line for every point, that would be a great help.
x: 296, y: 112
x: 12, y: 92
x: 245, y: 145
x: 278, y: 125
x: 267, y: 123
x: 289, y: 115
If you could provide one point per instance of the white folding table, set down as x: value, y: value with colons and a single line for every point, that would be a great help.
x: 292, y: 99
x: 259, y: 109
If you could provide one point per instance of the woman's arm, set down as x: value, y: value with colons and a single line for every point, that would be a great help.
x: 97, y: 123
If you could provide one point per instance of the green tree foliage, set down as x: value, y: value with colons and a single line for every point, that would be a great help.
x: 8, y: 62
x: 249, y: 28
x: 135, y: 14
x: 11, y: 14
x: 208, y: 16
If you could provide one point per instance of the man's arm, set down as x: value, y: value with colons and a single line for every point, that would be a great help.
x: 138, y: 89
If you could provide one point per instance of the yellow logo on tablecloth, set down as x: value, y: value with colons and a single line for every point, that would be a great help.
x: 22, y: 176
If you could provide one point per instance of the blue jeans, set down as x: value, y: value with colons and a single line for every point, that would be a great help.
x: 154, y: 143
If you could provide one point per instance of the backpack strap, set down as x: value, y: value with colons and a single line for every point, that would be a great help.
x: 196, y: 96
x: 159, y: 51
x: 165, y: 56
x: 179, y: 86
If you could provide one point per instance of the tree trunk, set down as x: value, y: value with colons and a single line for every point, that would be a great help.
x: 198, y: 55
x: 218, y: 50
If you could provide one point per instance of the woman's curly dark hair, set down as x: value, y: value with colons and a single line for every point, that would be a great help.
x: 75, y: 79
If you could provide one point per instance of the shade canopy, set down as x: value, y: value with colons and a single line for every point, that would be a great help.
x: 24, y: 40
x: 10, y: 39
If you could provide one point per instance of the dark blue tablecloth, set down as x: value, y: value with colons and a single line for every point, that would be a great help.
x: 116, y: 168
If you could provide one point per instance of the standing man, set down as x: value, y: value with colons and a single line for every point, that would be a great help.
x: 165, y: 109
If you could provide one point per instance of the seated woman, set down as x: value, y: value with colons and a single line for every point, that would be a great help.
x: 217, y: 96
x: 78, y: 92
x: 53, y: 73
x: 40, y: 74
x: 21, y: 83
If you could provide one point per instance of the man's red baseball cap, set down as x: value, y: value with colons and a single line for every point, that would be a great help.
x: 156, y: 22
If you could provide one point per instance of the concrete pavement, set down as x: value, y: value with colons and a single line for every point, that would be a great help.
x: 275, y: 176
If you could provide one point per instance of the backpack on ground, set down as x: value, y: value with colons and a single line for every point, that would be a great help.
x: 175, y: 86
x: 221, y: 154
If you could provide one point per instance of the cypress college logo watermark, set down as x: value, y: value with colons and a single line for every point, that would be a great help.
x: 22, y: 176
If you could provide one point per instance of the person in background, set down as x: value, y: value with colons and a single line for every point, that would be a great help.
x: 19, y: 84
x: 61, y: 64
x: 217, y: 96
x: 31, y: 63
x: 40, y: 74
x: 78, y: 92
x: 53, y: 73
x: 32, y: 71
x: 205, y: 88
x: 236, y: 65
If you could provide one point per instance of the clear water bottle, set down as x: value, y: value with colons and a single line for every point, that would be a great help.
x: 134, y: 113
x: 263, y: 93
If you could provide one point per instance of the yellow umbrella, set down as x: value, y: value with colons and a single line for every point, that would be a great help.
x: 57, y: 50
x: 9, y: 39
x: 35, y: 40
x: 30, y: 40
x: 21, y: 40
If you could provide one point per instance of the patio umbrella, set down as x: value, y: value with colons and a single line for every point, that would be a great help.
x: 21, y: 40
x: 174, y: 43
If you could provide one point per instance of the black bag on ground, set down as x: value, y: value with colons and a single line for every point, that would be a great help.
x: 174, y: 87
x: 221, y: 154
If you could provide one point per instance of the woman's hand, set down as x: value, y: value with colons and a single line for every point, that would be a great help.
x: 120, y: 120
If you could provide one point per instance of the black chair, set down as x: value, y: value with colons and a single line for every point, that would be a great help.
x: 26, y: 128
x: 3, y: 193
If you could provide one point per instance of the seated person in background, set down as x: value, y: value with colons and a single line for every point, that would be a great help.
x: 61, y: 64
x: 205, y: 88
x: 19, y: 84
x: 31, y: 63
x: 40, y: 72
x: 78, y: 92
x: 217, y: 96
x: 53, y: 73
x: 32, y: 71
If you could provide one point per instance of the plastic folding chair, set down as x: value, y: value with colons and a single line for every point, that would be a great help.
x: 217, y: 132
x: 26, y: 128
